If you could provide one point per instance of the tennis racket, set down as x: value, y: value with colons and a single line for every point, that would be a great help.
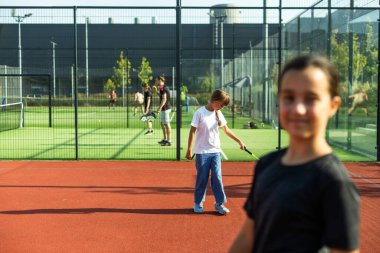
x: 193, y: 157
x: 252, y: 154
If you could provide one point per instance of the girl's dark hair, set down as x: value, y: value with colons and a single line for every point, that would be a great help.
x: 304, y: 61
x: 221, y: 96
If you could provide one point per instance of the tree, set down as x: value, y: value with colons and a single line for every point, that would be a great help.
x: 144, y: 71
x: 359, y: 60
x: 208, y: 83
x: 370, y: 51
x: 123, y: 65
x: 110, y: 85
x: 340, y: 57
x: 184, y: 88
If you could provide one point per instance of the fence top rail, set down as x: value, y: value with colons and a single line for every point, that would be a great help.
x: 194, y: 7
x: 46, y: 75
x: 11, y: 104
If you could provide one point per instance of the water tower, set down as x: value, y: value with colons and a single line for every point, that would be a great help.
x: 221, y: 14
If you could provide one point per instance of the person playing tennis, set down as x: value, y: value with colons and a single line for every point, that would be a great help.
x: 138, y: 102
x: 112, y: 99
x: 164, y: 110
x: 302, y: 199
x: 205, y: 123
x: 148, y: 107
x: 359, y: 99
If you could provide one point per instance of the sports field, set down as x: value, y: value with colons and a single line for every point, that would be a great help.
x: 105, y: 133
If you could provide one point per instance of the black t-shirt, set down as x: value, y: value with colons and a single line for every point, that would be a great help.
x: 167, y: 104
x: 147, y: 94
x: 303, y: 208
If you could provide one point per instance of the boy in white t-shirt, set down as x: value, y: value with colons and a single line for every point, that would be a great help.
x: 206, y: 121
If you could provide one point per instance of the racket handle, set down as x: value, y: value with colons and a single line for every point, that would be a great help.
x: 249, y: 152
x: 193, y: 157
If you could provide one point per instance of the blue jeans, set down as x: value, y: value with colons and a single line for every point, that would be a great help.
x: 205, y: 162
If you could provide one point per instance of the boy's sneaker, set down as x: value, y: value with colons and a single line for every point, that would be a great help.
x: 161, y: 142
x: 166, y: 143
x: 220, y: 208
x: 149, y: 132
x: 198, y: 208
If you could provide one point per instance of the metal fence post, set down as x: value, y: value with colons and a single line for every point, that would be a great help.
x: 76, y: 82
x: 178, y: 77
x: 279, y: 69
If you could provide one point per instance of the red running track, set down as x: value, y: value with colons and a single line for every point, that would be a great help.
x: 94, y: 206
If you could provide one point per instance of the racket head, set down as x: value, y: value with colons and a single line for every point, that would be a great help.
x: 143, y: 118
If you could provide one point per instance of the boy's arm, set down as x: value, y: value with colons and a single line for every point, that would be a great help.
x: 244, y: 240
x: 162, y: 102
x: 190, y: 142
x: 230, y: 134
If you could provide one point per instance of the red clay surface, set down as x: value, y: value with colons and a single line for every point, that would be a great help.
x: 93, y: 206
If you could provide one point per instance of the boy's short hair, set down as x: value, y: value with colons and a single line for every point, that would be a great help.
x: 161, y: 77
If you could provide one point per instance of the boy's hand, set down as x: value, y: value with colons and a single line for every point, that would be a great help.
x: 189, y: 154
x: 242, y: 145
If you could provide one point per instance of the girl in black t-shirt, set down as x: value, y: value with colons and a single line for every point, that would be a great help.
x: 302, y: 199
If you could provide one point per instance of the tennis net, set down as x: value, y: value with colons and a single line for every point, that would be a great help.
x: 11, y: 116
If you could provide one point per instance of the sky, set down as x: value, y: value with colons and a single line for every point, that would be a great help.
x: 115, y: 2
x: 206, y: 3
x: 162, y: 16
x: 145, y: 16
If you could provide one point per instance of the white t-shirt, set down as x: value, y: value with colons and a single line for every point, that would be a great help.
x: 207, y: 136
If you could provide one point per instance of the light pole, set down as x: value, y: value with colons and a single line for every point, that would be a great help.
x: 122, y: 84
x: 19, y: 20
x: 220, y: 19
x: 53, y: 44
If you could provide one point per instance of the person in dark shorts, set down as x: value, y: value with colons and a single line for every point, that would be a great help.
x: 148, y: 108
x: 302, y: 198
x: 164, y: 110
x: 112, y: 96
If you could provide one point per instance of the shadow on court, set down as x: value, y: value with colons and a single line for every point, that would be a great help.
x: 183, y: 211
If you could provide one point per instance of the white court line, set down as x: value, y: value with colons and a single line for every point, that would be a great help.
x: 365, y: 179
x: 223, y: 154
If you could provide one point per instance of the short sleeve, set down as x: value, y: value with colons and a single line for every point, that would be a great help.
x: 222, y: 118
x: 249, y: 203
x: 167, y: 91
x: 341, y: 213
x: 195, y: 120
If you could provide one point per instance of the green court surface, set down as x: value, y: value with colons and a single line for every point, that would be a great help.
x: 105, y: 134
x: 110, y: 143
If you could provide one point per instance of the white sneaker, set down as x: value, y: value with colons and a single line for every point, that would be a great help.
x: 198, y: 208
x: 220, y: 208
